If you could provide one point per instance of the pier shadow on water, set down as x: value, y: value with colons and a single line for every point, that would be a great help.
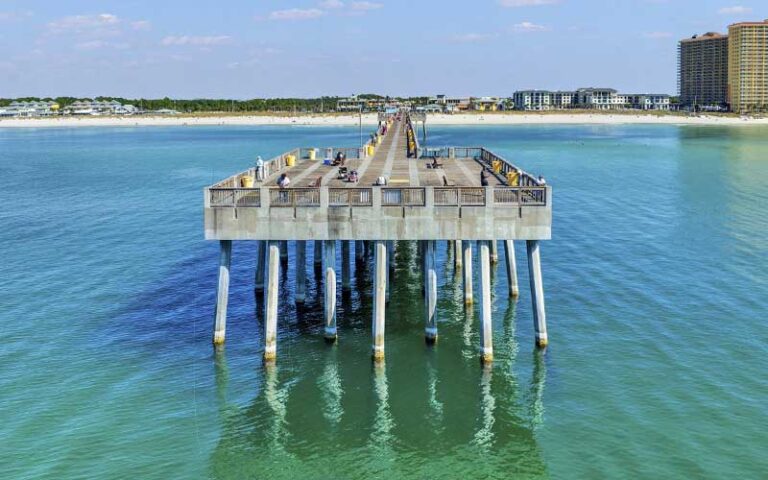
x: 328, y: 412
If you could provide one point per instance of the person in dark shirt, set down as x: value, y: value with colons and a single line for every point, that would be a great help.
x: 483, y: 178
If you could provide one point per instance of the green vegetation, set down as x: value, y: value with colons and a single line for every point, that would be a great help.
x: 201, y: 105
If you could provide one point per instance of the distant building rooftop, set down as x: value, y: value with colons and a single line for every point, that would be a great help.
x: 706, y: 36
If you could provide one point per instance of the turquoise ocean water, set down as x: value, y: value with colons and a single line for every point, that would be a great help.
x: 656, y: 285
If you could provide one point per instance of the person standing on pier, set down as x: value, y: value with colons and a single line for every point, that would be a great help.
x: 483, y: 178
x: 283, y: 181
x: 259, y: 169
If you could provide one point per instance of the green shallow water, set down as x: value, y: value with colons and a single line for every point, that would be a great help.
x: 655, y: 283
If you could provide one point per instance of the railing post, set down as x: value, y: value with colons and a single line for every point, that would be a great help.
x: 264, y: 197
x: 429, y: 197
x: 489, y: 196
x: 324, y: 197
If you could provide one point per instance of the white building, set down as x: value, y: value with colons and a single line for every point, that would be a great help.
x: 541, y: 100
x: 95, y: 107
x: 30, y: 109
x: 649, y: 101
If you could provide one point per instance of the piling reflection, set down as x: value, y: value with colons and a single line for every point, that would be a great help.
x: 425, y: 413
x: 332, y: 391
x: 484, y: 436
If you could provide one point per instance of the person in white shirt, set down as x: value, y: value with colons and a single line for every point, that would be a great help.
x: 283, y: 181
x: 259, y: 169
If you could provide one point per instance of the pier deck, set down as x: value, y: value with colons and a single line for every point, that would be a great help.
x: 418, y: 202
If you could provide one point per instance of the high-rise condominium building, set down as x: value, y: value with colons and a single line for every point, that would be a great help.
x: 703, y: 70
x: 748, y: 67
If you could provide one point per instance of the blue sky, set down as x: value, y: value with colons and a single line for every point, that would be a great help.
x: 269, y: 48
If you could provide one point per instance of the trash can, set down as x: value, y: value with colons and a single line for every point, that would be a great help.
x: 512, y: 178
x: 246, y: 182
x: 370, y: 150
x: 496, y: 165
x: 378, y: 140
x: 312, y: 154
x: 290, y: 160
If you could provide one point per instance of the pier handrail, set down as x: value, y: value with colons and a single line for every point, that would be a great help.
x: 364, y: 197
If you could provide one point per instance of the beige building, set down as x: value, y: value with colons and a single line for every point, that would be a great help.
x: 703, y: 71
x: 748, y: 67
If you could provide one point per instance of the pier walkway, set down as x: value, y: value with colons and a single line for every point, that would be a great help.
x: 417, y: 202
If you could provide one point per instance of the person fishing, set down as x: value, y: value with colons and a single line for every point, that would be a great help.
x: 483, y: 178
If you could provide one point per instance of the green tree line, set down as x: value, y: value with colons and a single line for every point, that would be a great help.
x: 322, y: 104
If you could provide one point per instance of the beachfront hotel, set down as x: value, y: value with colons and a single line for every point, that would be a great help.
x: 702, y: 76
x: 748, y: 67
x: 588, y: 98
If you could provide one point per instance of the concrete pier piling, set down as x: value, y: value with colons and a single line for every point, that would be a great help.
x: 222, y: 292
x: 494, y: 251
x: 270, y: 301
x: 301, y: 271
x: 359, y: 251
x: 330, y: 291
x: 537, y: 293
x: 457, y: 254
x: 346, y: 274
x: 486, y: 324
x: 430, y: 297
x: 379, y: 298
x: 284, y: 250
x: 318, y: 253
x: 509, y: 254
x: 261, y: 253
x: 467, y: 266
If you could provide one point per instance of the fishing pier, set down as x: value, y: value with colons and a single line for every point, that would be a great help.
x: 403, y: 192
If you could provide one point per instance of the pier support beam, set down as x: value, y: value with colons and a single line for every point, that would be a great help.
x: 537, y: 293
x: 509, y: 254
x: 457, y: 253
x: 270, y: 301
x: 346, y: 274
x: 430, y: 294
x: 261, y: 253
x: 284, y: 250
x: 318, y: 252
x: 222, y: 292
x: 486, y: 324
x: 359, y: 251
x: 330, y: 291
x: 494, y: 251
x: 379, y: 298
x: 467, y: 254
x: 301, y: 271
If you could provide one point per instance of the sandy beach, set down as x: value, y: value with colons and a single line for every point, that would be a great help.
x: 371, y: 119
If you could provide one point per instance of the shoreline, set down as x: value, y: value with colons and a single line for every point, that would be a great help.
x: 372, y: 119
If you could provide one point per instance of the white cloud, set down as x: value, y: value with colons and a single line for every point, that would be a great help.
x: 329, y: 4
x: 199, y: 41
x: 99, y: 44
x: 526, y: 3
x: 81, y: 23
x: 141, y: 25
x: 296, y: 14
x: 735, y: 10
x: 528, y: 27
x: 657, y: 35
x: 365, y: 6
x: 471, y: 37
